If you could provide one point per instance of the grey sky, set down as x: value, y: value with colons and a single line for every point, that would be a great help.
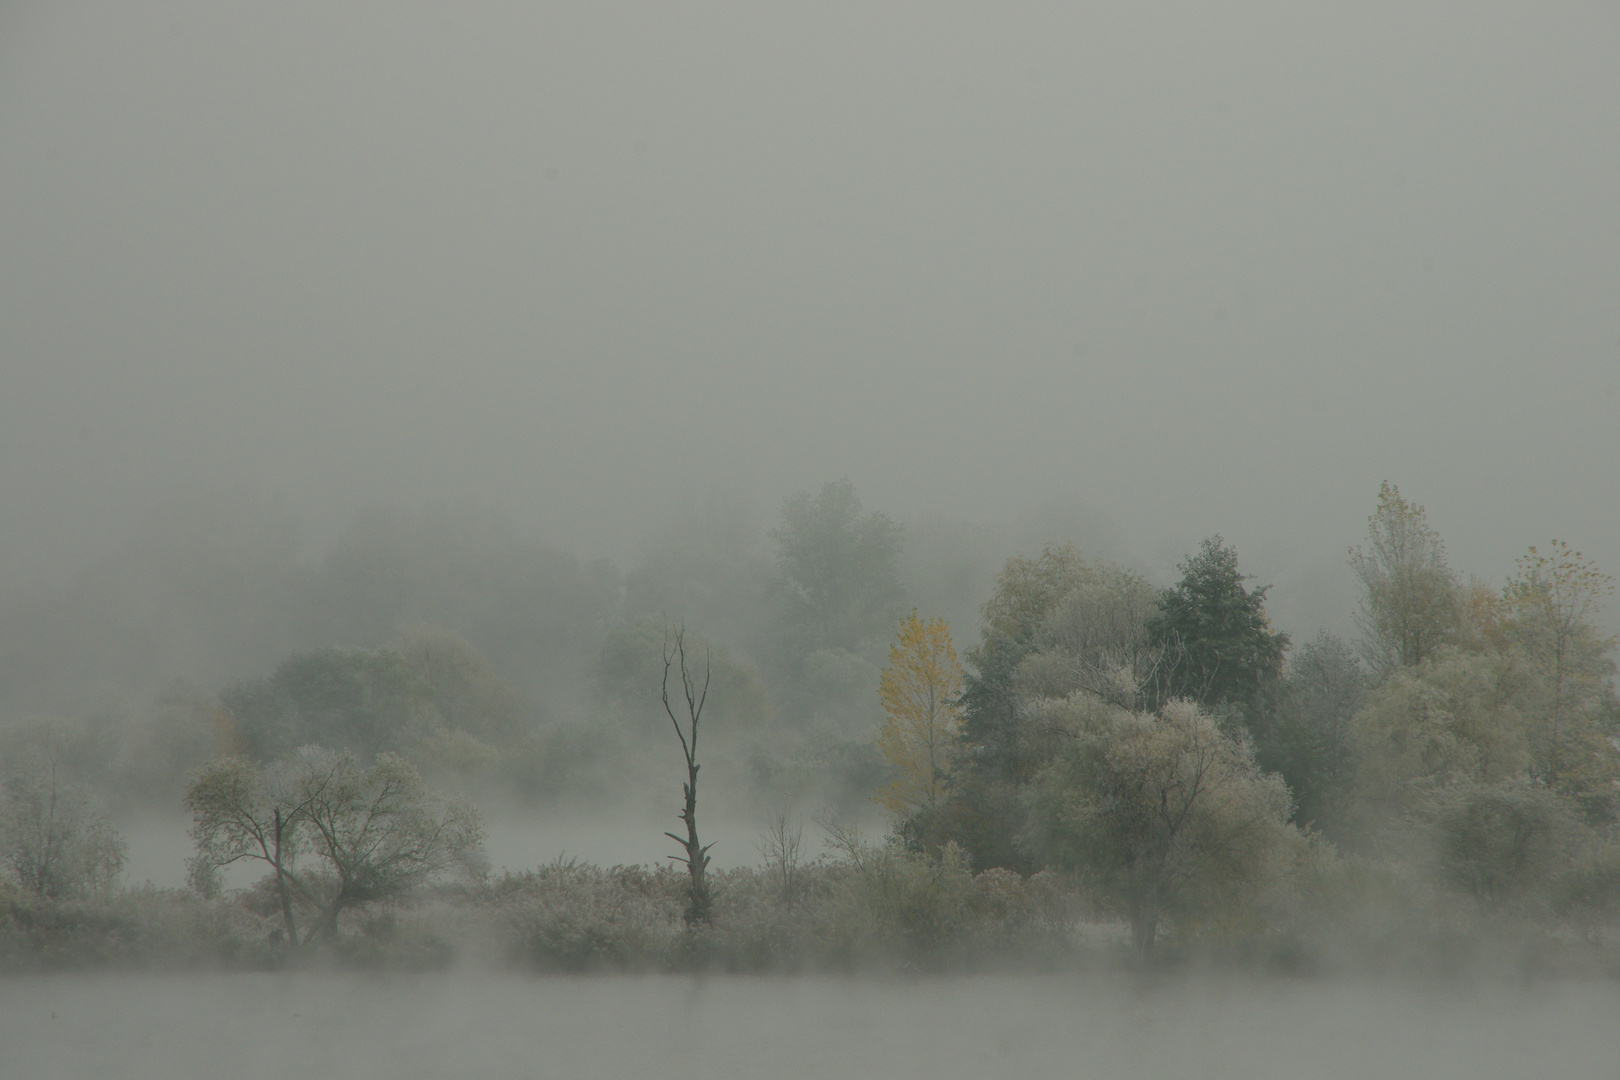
x: 1198, y: 270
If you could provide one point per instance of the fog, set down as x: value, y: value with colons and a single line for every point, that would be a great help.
x: 1193, y: 271
x: 255, y: 1026
x: 400, y: 378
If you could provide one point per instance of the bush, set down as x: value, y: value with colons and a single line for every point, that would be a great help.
x: 146, y: 928
x: 1503, y: 842
x: 571, y: 917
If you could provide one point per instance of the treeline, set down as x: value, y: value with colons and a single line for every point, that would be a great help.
x: 1108, y: 750
x: 1461, y: 755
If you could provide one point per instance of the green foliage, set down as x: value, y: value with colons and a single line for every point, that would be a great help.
x: 344, y: 699
x: 840, y: 569
x: 1309, y: 740
x: 1411, y: 600
x: 1448, y: 720
x: 1055, y: 625
x: 1098, y: 638
x: 1549, y: 607
x: 1222, y: 650
x: 132, y: 928
x: 1502, y: 841
x: 1590, y: 889
x: 1027, y: 592
x: 461, y: 687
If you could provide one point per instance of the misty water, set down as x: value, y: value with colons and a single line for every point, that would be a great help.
x: 477, y: 1025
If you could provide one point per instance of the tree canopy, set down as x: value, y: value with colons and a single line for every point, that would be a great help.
x: 1224, y: 650
x: 1410, y: 596
x: 1166, y: 813
x: 921, y: 691
x: 347, y: 699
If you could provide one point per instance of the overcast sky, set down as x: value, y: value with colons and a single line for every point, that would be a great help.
x: 1195, y: 270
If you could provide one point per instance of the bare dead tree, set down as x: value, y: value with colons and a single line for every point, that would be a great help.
x: 696, y: 860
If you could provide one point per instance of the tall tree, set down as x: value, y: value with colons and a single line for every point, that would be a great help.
x: 1551, y: 604
x: 921, y: 691
x: 1447, y: 721
x: 1028, y: 592
x: 1410, y: 597
x: 841, y: 568
x: 984, y: 810
x: 1224, y: 650
x: 1098, y: 639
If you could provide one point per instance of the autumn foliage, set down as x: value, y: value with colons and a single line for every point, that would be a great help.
x: 921, y: 692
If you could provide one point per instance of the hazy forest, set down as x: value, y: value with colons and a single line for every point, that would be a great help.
x: 1079, y: 766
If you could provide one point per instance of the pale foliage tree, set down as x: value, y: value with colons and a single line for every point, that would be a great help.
x: 1551, y: 604
x: 1410, y: 598
x: 1029, y: 589
x: 54, y: 839
x: 921, y: 691
x: 1166, y: 814
x: 372, y: 834
x: 1450, y: 720
x: 1097, y: 638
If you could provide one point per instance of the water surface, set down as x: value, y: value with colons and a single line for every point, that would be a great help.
x: 467, y: 1025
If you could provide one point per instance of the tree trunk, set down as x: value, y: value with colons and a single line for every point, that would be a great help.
x: 1144, y: 927
x: 699, y: 899
x: 326, y: 928
x: 281, y: 888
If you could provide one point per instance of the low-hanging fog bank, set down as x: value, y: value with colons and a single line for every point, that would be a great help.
x: 1029, y: 1026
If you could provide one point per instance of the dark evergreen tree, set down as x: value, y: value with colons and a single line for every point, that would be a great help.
x: 1220, y: 648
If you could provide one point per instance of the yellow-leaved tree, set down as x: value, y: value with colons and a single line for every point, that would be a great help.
x: 921, y: 691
